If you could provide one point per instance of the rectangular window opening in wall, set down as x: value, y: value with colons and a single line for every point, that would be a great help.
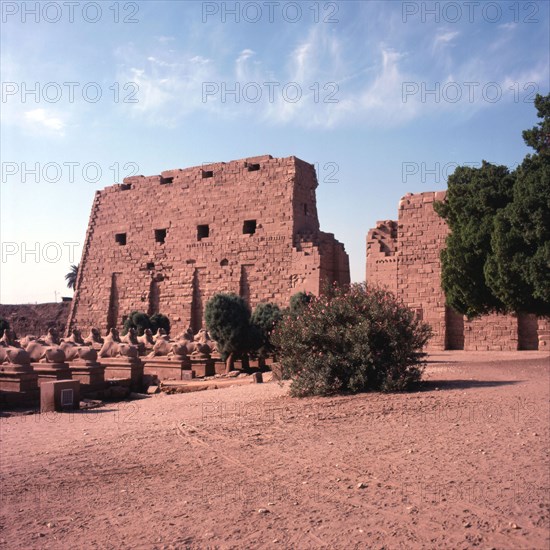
x: 160, y: 235
x: 249, y: 227
x: 207, y: 174
x: 203, y: 231
x: 253, y: 167
x: 165, y: 181
x: 125, y: 186
x: 120, y: 238
x: 150, y: 265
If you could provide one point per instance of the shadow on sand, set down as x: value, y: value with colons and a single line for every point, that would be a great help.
x: 442, y: 385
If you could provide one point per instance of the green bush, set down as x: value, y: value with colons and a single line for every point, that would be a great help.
x: 299, y: 300
x: 352, y: 339
x: 4, y: 325
x: 141, y: 321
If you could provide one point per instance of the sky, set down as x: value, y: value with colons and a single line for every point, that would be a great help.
x: 385, y: 98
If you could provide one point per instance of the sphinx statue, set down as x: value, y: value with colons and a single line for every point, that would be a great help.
x: 113, y: 347
x: 147, y: 339
x: 45, y: 349
x: 166, y: 347
x: 11, y: 351
x: 94, y: 339
x: 131, y: 338
x: 75, y: 348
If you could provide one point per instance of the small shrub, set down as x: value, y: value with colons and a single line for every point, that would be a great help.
x: 138, y: 320
x: 4, y: 325
x: 352, y: 339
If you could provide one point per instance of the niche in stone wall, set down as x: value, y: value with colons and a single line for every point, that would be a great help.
x: 244, y: 284
x: 196, y: 303
x: 154, y: 297
x: 528, y: 333
x: 112, y: 312
x: 454, y: 329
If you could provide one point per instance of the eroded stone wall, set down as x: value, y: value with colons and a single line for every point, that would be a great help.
x: 381, y: 255
x: 167, y: 243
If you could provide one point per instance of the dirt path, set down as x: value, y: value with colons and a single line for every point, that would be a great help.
x: 462, y: 464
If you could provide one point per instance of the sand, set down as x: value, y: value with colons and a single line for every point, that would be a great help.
x: 464, y: 463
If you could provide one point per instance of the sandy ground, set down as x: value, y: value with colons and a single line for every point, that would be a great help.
x: 463, y: 463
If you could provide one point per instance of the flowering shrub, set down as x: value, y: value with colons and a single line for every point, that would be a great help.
x: 351, y: 339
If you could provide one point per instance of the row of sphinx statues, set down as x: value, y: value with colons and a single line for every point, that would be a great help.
x: 51, y: 348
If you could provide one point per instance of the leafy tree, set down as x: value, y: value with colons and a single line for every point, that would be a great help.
x: 474, y: 197
x: 265, y: 319
x: 4, y: 325
x: 138, y: 320
x: 354, y: 339
x: 518, y: 269
x: 158, y: 320
x: 227, y: 318
x: 71, y: 277
x: 497, y: 257
x: 538, y: 137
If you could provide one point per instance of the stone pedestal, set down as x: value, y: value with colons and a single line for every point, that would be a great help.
x: 51, y: 372
x: 91, y: 375
x: 18, y: 383
x: 166, y: 368
x: 203, y: 366
x: 126, y: 368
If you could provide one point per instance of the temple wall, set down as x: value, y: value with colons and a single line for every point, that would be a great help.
x: 408, y: 263
x: 167, y: 243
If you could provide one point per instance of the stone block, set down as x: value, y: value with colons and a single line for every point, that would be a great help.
x: 59, y: 396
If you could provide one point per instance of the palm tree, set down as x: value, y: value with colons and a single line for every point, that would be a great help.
x: 71, y: 276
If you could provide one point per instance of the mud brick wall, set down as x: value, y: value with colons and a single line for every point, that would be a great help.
x: 169, y: 242
x: 415, y: 242
x: 491, y: 333
x: 381, y: 255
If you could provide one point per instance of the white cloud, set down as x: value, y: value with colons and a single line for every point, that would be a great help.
x: 46, y: 119
x: 444, y: 38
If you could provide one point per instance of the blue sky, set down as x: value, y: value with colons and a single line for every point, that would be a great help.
x: 385, y: 97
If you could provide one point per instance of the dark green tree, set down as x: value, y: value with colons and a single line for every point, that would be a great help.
x: 474, y: 197
x: 71, y: 277
x: 227, y: 318
x: 518, y: 268
x: 497, y: 257
x: 265, y: 318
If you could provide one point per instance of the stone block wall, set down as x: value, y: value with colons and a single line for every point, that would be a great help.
x: 167, y: 243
